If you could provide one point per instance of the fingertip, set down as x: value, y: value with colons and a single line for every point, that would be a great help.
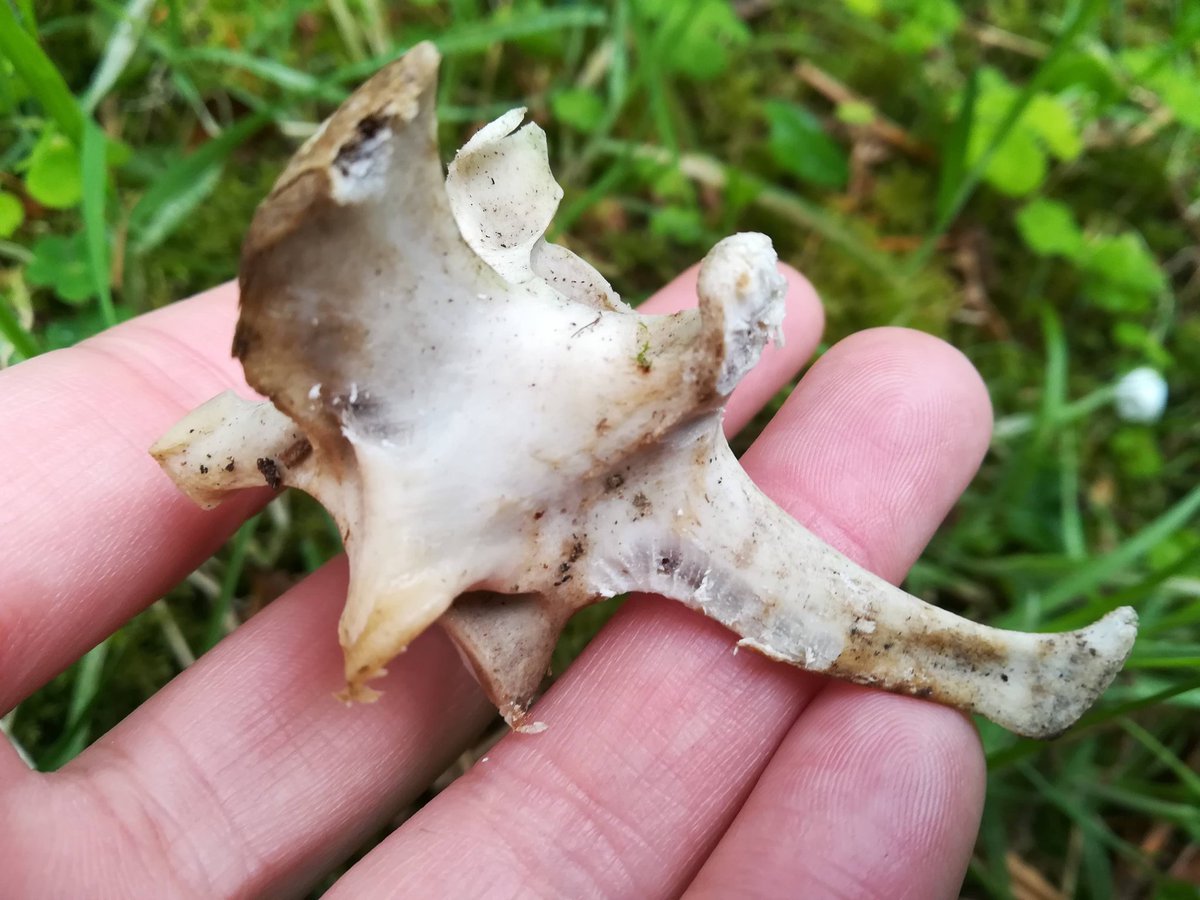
x: 805, y: 317
x: 904, y: 778
x: 869, y: 795
x: 929, y: 755
x: 929, y: 368
x: 876, y: 443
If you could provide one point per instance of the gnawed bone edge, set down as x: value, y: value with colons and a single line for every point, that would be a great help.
x: 502, y: 441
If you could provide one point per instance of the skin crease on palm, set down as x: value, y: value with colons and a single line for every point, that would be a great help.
x: 673, y: 765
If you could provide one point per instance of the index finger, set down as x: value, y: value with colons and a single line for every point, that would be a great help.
x: 101, y: 530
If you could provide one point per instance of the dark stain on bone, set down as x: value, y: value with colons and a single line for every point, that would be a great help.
x: 295, y: 454
x: 203, y: 469
x: 245, y: 338
x: 885, y: 657
x: 270, y: 471
x: 642, y: 504
x: 668, y: 563
x: 574, y: 553
x: 361, y: 145
x: 614, y: 481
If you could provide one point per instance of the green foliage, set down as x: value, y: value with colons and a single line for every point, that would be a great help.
x: 60, y: 263
x: 1086, y: 72
x: 70, y: 328
x: 855, y: 112
x: 95, y: 231
x: 801, y: 147
x: 1137, y: 453
x: 1172, y: 78
x: 41, y: 77
x: 702, y: 35
x: 578, y: 108
x: 1122, y: 274
x: 1049, y: 228
x: 916, y: 26
x: 183, y: 185
x: 12, y: 214
x: 680, y: 224
x: 1045, y: 129
x: 53, y: 177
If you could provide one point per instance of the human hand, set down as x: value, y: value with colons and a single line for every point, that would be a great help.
x: 670, y: 764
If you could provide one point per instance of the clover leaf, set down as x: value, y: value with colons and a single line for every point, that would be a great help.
x: 54, y: 177
x: 60, y: 263
x: 1049, y: 228
x: 12, y: 214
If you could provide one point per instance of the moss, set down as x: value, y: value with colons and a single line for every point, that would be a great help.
x: 643, y: 358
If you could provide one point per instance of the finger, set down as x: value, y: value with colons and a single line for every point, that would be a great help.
x: 243, y: 776
x: 802, y: 326
x: 659, y: 731
x: 102, y: 530
x: 869, y: 794
x: 188, y: 767
x: 12, y: 767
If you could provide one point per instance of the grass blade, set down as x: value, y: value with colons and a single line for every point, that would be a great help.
x: 649, y: 43
x: 28, y: 16
x: 117, y: 52
x: 233, y: 573
x: 1077, y: 19
x: 89, y: 675
x: 347, y: 28
x: 95, y: 229
x: 10, y: 329
x: 185, y: 184
x: 1087, y: 821
x: 276, y: 73
x: 477, y: 36
x: 1054, y: 390
x: 1090, y: 577
x: 44, y: 80
x: 1189, y: 779
x: 954, y: 150
x: 375, y: 28
x: 482, y: 35
x: 992, y: 835
x: 1023, y: 748
x: 780, y: 202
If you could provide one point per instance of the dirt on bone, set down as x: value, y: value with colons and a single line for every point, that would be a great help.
x: 270, y: 471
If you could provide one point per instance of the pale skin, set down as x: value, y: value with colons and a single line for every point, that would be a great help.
x: 671, y: 765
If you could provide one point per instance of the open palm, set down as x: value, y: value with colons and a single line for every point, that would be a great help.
x: 672, y: 764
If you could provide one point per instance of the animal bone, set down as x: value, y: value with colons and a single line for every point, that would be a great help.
x: 503, y: 441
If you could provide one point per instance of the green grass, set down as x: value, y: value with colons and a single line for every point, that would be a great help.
x: 1039, y: 210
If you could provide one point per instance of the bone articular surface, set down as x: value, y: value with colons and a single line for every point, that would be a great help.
x: 502, y: 440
